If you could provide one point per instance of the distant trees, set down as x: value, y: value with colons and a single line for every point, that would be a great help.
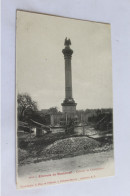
x: 25, y: 105
x: 102, y: 120
x: 53, y: 110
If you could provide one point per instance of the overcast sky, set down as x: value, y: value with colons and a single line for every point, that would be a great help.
x: 40, y: 62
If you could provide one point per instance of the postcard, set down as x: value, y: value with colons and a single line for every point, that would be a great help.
x: 64, y: 103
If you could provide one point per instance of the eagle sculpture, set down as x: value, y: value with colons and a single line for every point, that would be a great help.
x: 67, y: 42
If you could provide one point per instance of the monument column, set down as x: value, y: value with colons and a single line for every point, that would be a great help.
x: 69, y: 105
x: 68, y: 76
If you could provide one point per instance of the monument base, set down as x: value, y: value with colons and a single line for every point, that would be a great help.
x: 69, y: 109
x: 69, y: 106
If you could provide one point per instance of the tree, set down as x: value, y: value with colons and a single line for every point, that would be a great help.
x: 53, y: 110
x: 25, y: 105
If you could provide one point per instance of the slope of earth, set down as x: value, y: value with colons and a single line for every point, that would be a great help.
x: 70, y: 147
x: 58, y: 146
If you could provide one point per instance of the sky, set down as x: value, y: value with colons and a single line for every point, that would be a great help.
x: 40, y: 68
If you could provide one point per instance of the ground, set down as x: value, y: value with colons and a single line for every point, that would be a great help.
x: 67, y: 164
x: 59, y: 145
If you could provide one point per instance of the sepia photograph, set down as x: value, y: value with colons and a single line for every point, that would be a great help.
x: 64, y: 100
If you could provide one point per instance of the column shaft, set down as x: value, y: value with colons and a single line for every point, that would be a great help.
x: 68, y: 78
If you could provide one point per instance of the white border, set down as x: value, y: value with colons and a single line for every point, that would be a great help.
x: 118, y: 14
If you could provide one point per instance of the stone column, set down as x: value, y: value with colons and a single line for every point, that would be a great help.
x: 38, y: 132
x: 52, y: 119
x: 68, y: 75
x: 68, y: 105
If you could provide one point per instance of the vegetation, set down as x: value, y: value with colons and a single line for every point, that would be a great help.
x: 31, y: 148
x: 102, y: 121
x: 28, y: 110
x: 26, y: 106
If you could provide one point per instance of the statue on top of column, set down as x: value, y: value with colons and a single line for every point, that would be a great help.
x: 67, y: 42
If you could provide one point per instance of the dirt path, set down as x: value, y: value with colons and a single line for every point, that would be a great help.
x: 67, y: 164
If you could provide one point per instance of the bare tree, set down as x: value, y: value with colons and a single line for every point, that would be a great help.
x: 25, y: 103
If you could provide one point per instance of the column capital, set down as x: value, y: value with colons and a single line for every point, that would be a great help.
x: 67, y: 51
